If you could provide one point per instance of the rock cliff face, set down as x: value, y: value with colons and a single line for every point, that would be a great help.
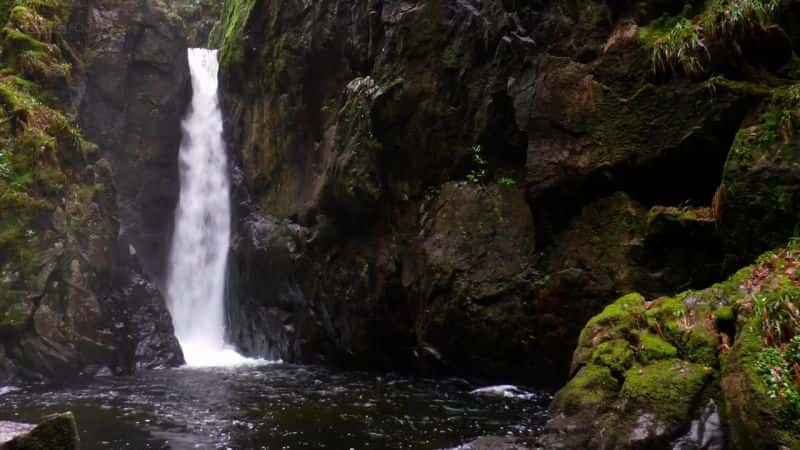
x: 84, y: 226
x: 458, y: 186
x: 132, y: 98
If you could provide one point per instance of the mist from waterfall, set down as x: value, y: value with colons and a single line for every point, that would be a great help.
x: 201, y: 241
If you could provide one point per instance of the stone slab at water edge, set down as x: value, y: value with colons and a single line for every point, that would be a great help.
x: 57, y: 432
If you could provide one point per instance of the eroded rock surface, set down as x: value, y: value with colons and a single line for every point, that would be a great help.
x: 457, y: 179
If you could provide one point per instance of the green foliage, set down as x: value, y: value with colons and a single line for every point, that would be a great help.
x: 778, y: 315
x: 792, y: 351
x: 734, y: 19
x: 478, y: 174
x: 5, y: 165
x: 682, y: 46
x: 683, y: 43
x: 777, y: 125
x: 506, y: 181
x: 778, y: 375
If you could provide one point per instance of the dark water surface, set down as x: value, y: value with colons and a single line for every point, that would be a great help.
x: 278, y: 407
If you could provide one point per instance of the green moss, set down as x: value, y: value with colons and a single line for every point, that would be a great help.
x: 591, y: 387
x: 616, y: 354
x: 652, y: 348
x: 724, y: 314
x: 669, y: 387
x: 666, y: 309
x: 627, y: 308
x: 700, y: 345
x: 234, y: 18
x: 56, y: 432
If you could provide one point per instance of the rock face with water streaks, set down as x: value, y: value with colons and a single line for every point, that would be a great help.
x: 464, y: 182
x: 80, y: 241
x: 132, y: 99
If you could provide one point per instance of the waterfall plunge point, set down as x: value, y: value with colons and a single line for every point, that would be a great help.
x: 200, y: 245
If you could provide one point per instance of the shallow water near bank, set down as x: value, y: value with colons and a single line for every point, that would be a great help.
x: 278, y: 406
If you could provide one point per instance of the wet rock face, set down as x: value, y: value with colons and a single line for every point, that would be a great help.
x: 132, y: 100
x: 143, y: 331
x: 593, y: 173
x: 65, y: 293
x: 353, y: 127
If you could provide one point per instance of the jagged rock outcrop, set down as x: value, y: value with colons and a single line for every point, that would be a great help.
x: 132, y: 98
x: 355, y: 127
x: 74, y: 298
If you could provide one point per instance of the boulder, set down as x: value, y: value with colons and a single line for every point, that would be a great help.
x: 54, y: 432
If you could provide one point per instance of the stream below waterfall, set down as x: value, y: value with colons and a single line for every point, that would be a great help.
x: 279, y: 406
x: 251, y: 404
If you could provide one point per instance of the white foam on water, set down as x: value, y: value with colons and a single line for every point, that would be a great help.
x: 505, y: 391
x: 7, y: 390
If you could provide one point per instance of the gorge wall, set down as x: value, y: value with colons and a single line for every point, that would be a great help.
x: 93, y: 95
x: 438, y: 186
x: 458, y: 186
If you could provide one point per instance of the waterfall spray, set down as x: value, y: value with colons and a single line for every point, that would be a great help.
x: 199, y: 254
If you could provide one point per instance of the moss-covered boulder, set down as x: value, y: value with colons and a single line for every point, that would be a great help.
x: 645, y: 370
x: 55, y: 432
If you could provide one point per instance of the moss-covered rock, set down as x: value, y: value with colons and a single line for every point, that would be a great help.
x: 592, y: 387
x: 759, y: 201
x: 58, y: 205
x: 732, y: 343
x: 55, y: 432
x: 672, y: 386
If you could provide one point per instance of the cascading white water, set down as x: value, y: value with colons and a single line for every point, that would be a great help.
x: 199, y: 254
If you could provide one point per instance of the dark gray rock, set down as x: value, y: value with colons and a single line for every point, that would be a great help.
x: 133, y: 97
x: 705, y: 432
x: 58, y: 431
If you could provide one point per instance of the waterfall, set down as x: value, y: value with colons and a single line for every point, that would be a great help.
x: 199, y: 254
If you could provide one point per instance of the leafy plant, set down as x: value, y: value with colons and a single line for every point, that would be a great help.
x: 778, y: 375
x: 5, y: 166
x: 478, y: 174
x: 506, y: 181
x: 779, y: 318
x: 685, y: 44
x: 734, y: 19
x: 682, y: 46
